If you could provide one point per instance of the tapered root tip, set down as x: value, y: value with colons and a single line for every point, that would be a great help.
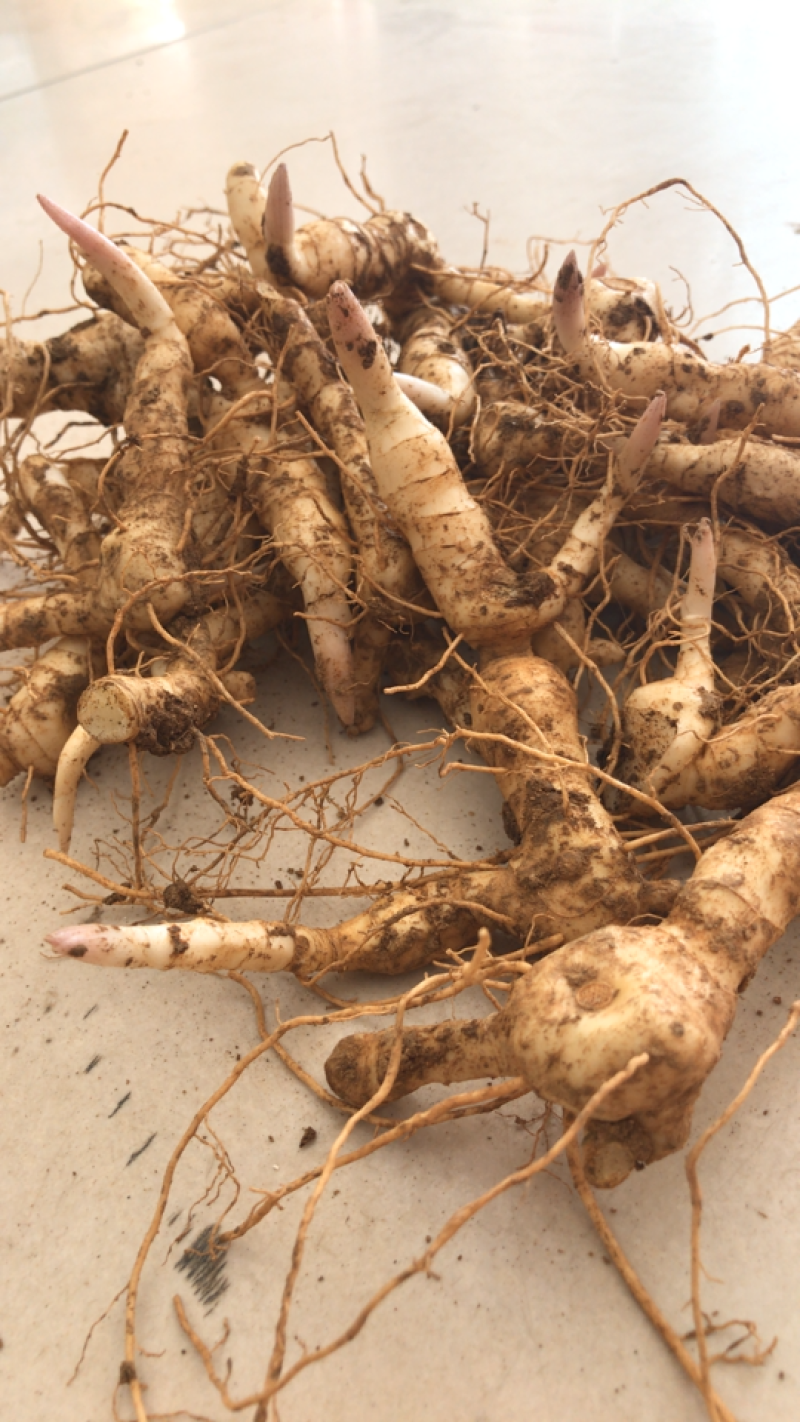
x: 699, y: 599
x: 89, y: 942
x: 569, y: 275
x: 429, y: 398
x: 360, y: 353
x: 279, y: 212
x: 648, y: 429
x: 356, y: 342
x: 568, y: 310
x: 91, y: 242
x: 144, y: 301
x: 61, y: 216
x: 344, y: 704
x: 333, y: 655
x: 640, y: 443
x: 343, y: 309
x: 75, y: 754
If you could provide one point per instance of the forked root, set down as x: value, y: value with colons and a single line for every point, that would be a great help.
x: 669, y: 991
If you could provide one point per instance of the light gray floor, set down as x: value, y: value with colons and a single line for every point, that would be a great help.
x: 546, y: 113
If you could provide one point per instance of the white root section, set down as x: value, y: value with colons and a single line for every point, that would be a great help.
x: 642, y: 590
x: 667, y: 723
x: 695, y: 664
x: 41, y: 715
x: 624, y: 309
x: 784, y: 349
x: 384, y: 557
x: 480, y: 293
x: 246, y: 203
x: 584, y: 1010
x: 432, y: 359
x: 332, y: 650
x: 214, y: 340
x: 161, y: 711
x: 506, y: 433
x: 91, y: 370
x: 762, y: 481
x: 638, y: 370
x: 74, y: 757
x: 419, y: 480
x: 432, y: 400
x: 708, y: 424
x: 566, y: 654
x: 745, y: 762
x: 216, y: 345
x: 450, y: 536
x: 201, y: 944
x: 62, y: 512
x: 164, y: 709
x: 289, y: 494
x: 763, y: 576
x: 241, y: 685
x: 30, y: 621
x: 388, y: 581
x: 577, y: 558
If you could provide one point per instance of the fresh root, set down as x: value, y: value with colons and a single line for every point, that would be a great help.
x: 666, y: 724
x: 668, y: 991
x: 519, y: 464
x: 420, y: 481
x: 373, y: 258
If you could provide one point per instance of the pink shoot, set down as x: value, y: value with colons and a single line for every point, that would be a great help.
x: 279, y: 212
x: 639, y: 445
x: 145, y: 303
x: 568, y: 311
x: 695, y: 666
x: 360, y: 352
x: 92, y: 942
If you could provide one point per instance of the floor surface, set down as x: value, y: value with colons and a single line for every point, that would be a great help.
x: 545, y: 113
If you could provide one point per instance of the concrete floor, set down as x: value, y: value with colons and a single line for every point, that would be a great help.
x: 545, y: 112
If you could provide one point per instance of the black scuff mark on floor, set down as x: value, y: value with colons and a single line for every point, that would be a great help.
x: 92, y: 1065
x: 141, y: 1150
x: 119, y: 1104
x: 204, y: 1262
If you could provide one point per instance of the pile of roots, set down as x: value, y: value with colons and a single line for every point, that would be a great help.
x: 532, y: 500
